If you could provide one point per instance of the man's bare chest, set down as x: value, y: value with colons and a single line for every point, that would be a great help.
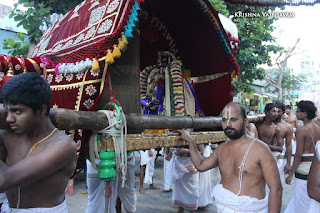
x: 266, y: 133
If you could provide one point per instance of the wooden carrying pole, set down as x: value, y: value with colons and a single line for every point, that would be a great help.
x: 66, y: 119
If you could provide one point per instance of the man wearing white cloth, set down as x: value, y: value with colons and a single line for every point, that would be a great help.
x: 97, y: 190
x: 306, y: 137
x: 167, y: 169
x: 185, y: 181
x: 246, y: 165
x: 205, y: 181
x: 314, y: 182
x: 147, y: 158
x: 286, y: 132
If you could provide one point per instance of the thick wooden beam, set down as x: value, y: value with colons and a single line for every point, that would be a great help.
x: 66, y: 119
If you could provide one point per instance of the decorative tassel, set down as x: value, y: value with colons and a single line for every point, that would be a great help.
x: 95, y: 66
x: 109, y: 58
x: 121, y: 45
x: 116, y: 52
x: 124, y: 40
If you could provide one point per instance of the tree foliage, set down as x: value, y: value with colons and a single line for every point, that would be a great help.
x: 290, y: 82
x: 16, y: 47
x: 220, y: 6
x: 256, y: 41
x: 281, y: 62
x: 38, y: 13
x: 256, y: 44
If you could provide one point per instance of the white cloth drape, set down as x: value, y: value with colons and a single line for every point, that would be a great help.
x: 226, y: 201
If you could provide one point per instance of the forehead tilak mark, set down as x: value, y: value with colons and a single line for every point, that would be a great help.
x: 227, y: 112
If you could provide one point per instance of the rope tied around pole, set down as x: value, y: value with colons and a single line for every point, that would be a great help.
x: 117, y: 129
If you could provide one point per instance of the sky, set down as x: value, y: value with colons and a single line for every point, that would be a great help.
x: 304, y: 26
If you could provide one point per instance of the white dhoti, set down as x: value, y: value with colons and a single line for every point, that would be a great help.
x: 300, y: 201
x: 205, y: 197
x: 185, y: 183
x: 314, y: 206
x: 145, y: 159
x: 167, y: 174
x: 294, y: 148
x: 226, y: 201
x: 281, y: 162
x: 127, y: 194
x: 61, y: 208
x: 97, y: 190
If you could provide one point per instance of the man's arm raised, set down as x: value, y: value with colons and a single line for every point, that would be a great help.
x: 196, y: 157
x: 271, y: 175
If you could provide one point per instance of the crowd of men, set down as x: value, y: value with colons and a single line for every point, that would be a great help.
x: 37, y: 160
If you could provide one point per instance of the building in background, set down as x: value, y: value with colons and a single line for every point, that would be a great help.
x: 310, y: 89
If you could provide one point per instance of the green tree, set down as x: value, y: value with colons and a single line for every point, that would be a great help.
x: 16, y: 47
x: 291, y: 83
x: 220, y: 6
x: 276, y: 79
x: 37, y: 14
x: 256, y: 43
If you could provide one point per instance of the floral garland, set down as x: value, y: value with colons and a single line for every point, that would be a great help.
x: 177, y: 87
x: 176, y: 99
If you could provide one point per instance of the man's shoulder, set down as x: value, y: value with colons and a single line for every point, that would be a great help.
x: 64, y: 142
x: 301, y: 130
x: 285, y: 126
x: 260, y: 147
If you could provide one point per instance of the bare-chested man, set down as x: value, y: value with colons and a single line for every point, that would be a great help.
x: 292, y: 118
x: 286, y: 132
x: 306, y: 137
x: 268, y: 132
x: 252, y: 130
x: 37, y: 159
x: 246, y: 165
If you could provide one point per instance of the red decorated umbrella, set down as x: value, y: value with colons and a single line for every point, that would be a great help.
x: 73, y: 53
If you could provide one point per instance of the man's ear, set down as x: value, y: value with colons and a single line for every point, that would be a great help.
x: 43, y: 110
x: 246, y: 122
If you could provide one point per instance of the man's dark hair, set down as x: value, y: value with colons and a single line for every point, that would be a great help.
x: 29, y: 89
x: 242, y: 109
x: 308, y: 107
x: 269, y: 107
x: 288, y: 107
x: 280, y: 105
